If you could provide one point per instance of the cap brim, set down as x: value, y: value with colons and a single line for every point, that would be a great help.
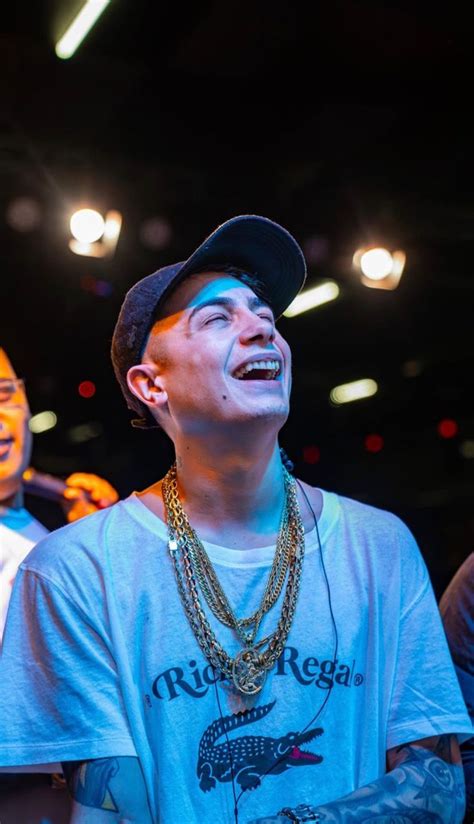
x: 261, y: 248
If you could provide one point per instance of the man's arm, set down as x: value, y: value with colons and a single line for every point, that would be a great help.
x: 107, y: 791
x: 424, y: 785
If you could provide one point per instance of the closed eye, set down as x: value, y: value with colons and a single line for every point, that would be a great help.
x: 215, y: 317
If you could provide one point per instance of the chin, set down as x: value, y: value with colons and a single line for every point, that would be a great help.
x: 11, y: 472
x: 9, y: 485
x: 271, y: 413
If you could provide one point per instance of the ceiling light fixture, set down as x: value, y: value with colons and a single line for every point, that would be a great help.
x: 378, y: 267
x: 42, y: 422
x: 312, y: 298
x: 353, y: 391
x: 80, y: 28
x: 94, y: 236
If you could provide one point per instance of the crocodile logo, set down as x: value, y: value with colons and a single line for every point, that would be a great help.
x: 250, y: 757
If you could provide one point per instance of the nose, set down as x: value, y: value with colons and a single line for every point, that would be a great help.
x: 255, y: 328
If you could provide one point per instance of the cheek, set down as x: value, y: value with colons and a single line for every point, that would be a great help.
x: 21, y: 432
x: 202, y: 368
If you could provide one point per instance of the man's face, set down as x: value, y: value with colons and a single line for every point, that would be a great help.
x: 15, y: 437
x: 219, y: 356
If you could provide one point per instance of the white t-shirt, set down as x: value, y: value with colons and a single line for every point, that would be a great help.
x: 110, y: 667
x: 19, y: 532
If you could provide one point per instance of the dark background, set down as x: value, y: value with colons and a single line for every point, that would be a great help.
x: 349, y: 123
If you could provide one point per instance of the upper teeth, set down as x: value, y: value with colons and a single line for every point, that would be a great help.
x: 268, y: 365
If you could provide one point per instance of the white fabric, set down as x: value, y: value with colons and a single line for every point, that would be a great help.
x: 113, y: 669
x: 19, y: 532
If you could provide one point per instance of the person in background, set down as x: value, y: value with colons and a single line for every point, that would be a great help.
x: 457, y: 611
x: 33, y: 796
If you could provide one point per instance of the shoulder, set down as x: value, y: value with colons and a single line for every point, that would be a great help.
x: 357, y: 515
x: 374, y: 519
x: 377, y: 537
x: 82, y: 541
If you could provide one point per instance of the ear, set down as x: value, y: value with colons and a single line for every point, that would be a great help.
x: 145, y: 382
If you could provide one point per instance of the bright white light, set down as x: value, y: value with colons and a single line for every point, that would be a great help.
x: 87, y: 225
x: 354, y: 391
x: 112, y: 226
x: 312, y: 298
x: 80, y: 27
x: 376, y: 264
x: 42, y: 422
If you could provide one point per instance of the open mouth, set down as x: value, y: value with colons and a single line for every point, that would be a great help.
x: 5, y: 446
x: 261, y: 370
x: 302, y: 755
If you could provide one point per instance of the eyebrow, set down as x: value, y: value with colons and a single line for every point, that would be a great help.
x: 253, y: 303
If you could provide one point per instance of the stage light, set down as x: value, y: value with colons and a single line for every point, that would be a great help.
x: 87, y: 225
x: 42, y: 422
x: 86, y: 389
x: 373, y: 443
x: 447, y: 428
x: 92, y: 235
x: 312, y: 298
x: 112, y: 225
x: 353, y: 391
x: 376, y: 263
x: 379, y: 268
x: 80, y: 27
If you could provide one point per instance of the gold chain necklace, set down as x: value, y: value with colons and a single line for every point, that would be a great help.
x: 194, y: 572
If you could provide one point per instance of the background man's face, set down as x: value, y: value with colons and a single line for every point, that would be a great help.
x: 15, y: 436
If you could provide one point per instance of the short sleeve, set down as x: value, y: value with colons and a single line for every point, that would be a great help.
x: 60, y: 697
x: 426, y: 699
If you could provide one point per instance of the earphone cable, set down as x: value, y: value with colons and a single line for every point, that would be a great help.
x: 326, y: 699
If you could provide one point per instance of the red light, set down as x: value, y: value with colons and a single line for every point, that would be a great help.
x: 447, y: 428
x: 373, y: 443
x: 311, y: 454
x: 86, y: 389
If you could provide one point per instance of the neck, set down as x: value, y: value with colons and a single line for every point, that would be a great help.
x: 234, y: 483
x: 11, y: 500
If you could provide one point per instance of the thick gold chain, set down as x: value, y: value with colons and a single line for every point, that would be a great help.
x: 194, y: 572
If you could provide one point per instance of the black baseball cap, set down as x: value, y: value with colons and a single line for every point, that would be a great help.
x: 255, y: 244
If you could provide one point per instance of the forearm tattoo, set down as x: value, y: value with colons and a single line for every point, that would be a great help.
x: 425, y: 787
x: 89, y: 782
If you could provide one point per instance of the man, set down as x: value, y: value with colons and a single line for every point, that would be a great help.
x: 29, y: 796
x: 231, y: 644
x: 457, y: 611
x: 19, y: 530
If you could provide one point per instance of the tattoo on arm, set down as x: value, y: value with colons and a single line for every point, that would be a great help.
x: 443, y: 746
x: 89, y: 782
x: 425, y: 785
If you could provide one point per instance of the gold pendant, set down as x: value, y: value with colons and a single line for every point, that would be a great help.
x: 247, y: 672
